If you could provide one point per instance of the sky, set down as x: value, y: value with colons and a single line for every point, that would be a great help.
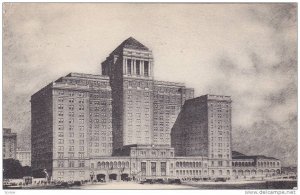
x: 246, y: 51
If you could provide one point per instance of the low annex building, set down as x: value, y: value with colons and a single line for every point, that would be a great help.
x: 245, y: 166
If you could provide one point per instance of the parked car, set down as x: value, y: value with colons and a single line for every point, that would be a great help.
x: 150, y: 181
x: 174, y: 181
x: 220, y: 179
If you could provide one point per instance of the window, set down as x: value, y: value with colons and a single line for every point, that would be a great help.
x: 163, y: 168
x: 60, y: 141
x: 60, y: 106
x: 128, y: 66
x: 60, y: 163
x: 81, y: 163
x: 60, y: 155
x: 81, y: 154
x: 220, y: 172
x: 143, y: 168
x: 138, y: 67
x: 71, y: 154
x: 71, y: 148
x: 146, y: 68
x: 153, y: 168
x: 81, y: 148
x: 71, y: 163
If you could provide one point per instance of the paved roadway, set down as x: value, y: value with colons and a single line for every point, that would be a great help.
x: 132, y: 186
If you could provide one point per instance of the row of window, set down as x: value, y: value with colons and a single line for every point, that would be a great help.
x: 102, y: 84
x: 71, y: 100
x: 115, y: 164
x: 131, y: 69
x: 220, y: 163
x: 220, y: 172
x: 71, y: 163
x: 166, y: 90
x: 260, y: 164
x: 71, y: 107
x: 71, y: 141
x: 188, y: 164
x: 71, y: 148
x: 61, y: 155
x: 71, y: 93
x: 190, y: 172
x: 62, y: 134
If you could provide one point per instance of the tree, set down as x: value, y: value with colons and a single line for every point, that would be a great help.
x: 26, y: 171
x: 12, y: 169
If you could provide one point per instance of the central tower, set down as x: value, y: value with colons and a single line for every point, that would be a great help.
x: 130, y: 69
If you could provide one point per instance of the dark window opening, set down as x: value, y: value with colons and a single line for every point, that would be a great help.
x: 128, y: 66
x: 138, y: 67
x: 143, y: 168
x: 153, y: 168
x: 146, y: 68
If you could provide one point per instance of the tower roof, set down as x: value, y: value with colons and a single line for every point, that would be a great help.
x: 132, y: 43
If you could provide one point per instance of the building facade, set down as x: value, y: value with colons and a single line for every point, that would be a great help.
x: 124, y: 123
x: 24, y: 157
x: 203, y: 128
x: 245, y: 166
x: 9, y: 144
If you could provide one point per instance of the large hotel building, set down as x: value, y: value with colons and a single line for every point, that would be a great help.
x: 123, y: 123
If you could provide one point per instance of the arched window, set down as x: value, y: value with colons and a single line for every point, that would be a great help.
x: 98, y: 165
x: 127, y: 164
x: 119, y: 164
x: 106, y: 164
x: 115, y: 164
